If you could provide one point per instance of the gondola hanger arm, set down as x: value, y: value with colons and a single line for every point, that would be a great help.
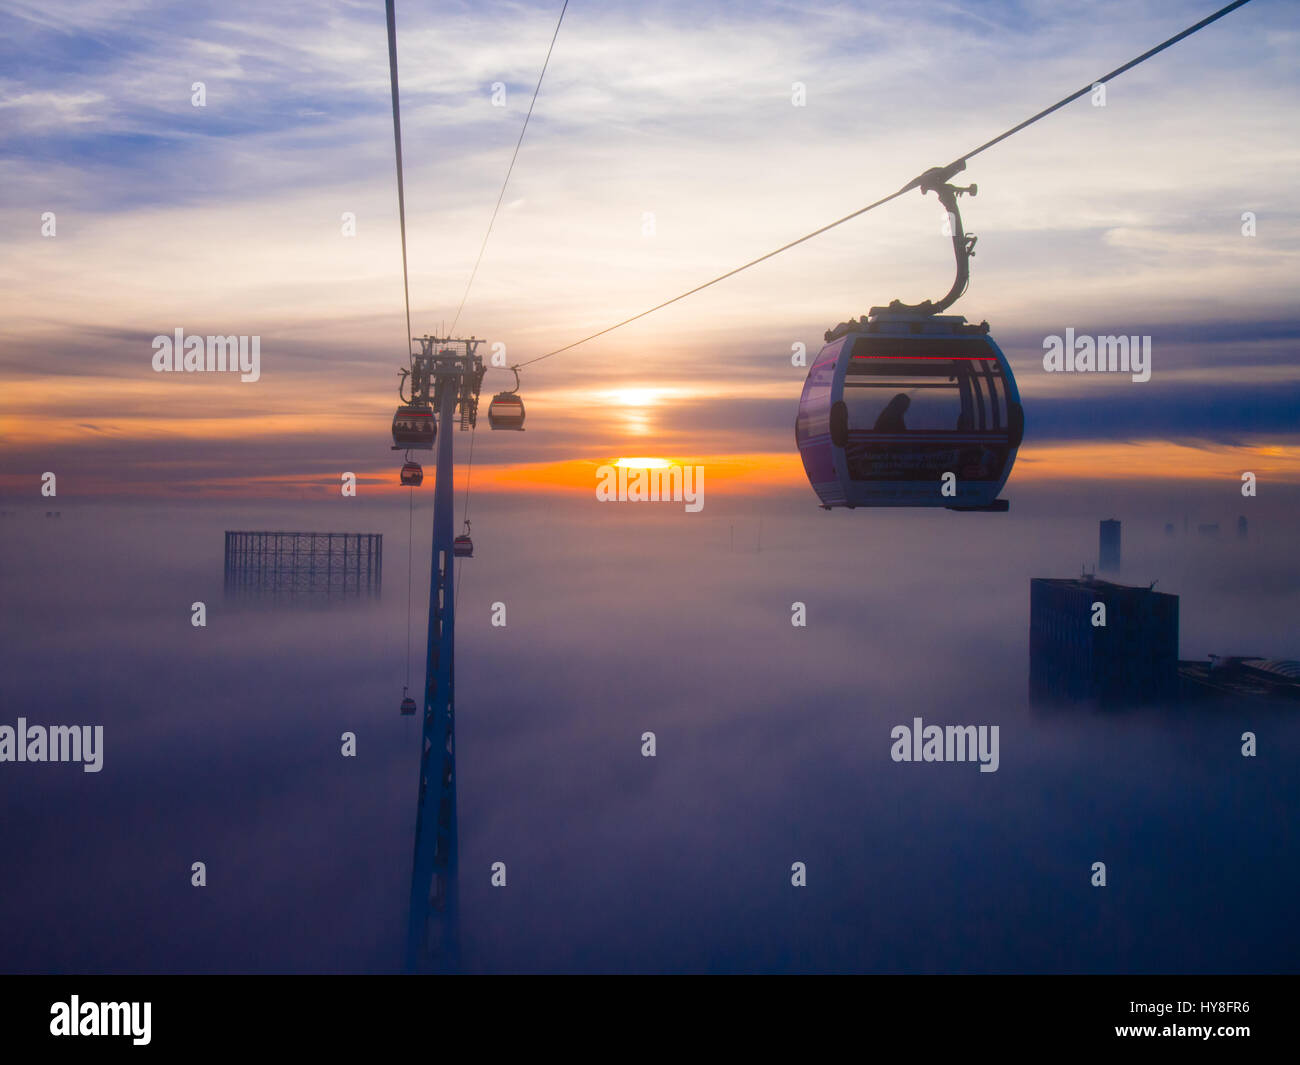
x: 938, y: 179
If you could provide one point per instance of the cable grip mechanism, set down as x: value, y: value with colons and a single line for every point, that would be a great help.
x: 938, y: 180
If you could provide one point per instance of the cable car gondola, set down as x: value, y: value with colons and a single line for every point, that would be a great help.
x: 506, y: 411
x: 897, y: 402
x: 412, y: 474
x: 463, y: 546
x: 408, y: 706
x: 414, y: 427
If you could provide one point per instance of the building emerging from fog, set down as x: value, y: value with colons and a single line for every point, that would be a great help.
x: 304, y: 567
x: 1131, y: 658
x: 1240, y: 678
x: 1108, y: 549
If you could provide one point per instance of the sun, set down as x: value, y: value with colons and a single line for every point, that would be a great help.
x: 635, y: 397
x: 642, y: 463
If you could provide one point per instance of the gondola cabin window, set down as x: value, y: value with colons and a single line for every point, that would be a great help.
x: 917, y: 417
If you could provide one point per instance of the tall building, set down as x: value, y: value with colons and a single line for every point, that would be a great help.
x: 1131, y: 658
x: 1243, y: 527
x: 1108, y: 555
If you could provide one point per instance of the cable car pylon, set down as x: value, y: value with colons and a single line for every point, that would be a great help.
x: 446, y: 376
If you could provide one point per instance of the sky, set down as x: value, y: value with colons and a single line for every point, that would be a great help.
x: 227, y: 219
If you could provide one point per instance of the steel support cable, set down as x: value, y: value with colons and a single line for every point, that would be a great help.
x: 397, y: 143
x: 469, y: 469
x: 954, y: 167
x: 509, y: 169
x: 410, y: 536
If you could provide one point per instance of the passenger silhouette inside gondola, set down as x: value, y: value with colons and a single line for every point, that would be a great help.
x: 891, y: 418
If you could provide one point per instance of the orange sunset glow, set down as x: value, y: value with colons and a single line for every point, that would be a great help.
x: 712, y: 380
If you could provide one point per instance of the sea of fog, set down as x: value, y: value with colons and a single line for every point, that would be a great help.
x: 222, y: 744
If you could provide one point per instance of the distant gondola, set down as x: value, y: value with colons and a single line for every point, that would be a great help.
x: 412, y: 474
x: 506, y: 411
x: 408, y: 706
x: 463, y: 546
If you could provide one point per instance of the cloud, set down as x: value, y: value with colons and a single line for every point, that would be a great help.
x: 227, y: 219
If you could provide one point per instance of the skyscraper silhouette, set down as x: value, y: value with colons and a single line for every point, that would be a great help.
x: 1108, y: 557
x: 1095, y: 640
